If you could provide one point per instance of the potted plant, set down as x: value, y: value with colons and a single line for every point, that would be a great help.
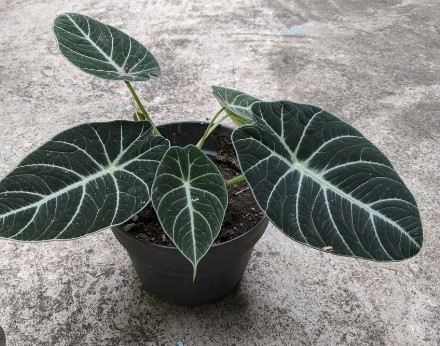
x: 314, y: 176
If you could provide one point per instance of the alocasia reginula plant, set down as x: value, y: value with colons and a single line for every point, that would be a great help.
x: 313, y: 175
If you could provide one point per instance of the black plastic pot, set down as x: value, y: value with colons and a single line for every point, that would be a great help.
x: 164, y: 271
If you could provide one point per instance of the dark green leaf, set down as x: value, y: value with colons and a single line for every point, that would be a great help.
x: 85, y: 179
x: 190, y: 199
x: 323, y: 184
x: 237, y: 104
x: 103, y: 50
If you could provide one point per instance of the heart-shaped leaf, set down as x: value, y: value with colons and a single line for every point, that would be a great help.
x: 103, y: 50
x: 85, y: 179
x: 190, y: 199
x: 324, y: 184
x: 237, y: 104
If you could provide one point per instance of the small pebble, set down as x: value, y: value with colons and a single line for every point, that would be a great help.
x: 135, y: 218
x: 129, y: 226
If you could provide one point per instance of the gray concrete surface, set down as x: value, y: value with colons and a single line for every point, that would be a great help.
x: 374, y: 63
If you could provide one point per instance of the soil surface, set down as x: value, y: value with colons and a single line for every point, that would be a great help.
x: 241, y: 215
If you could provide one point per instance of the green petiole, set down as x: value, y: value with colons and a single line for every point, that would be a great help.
x: 234, y: 181
x: 211, y: 127
x: 141, y: 107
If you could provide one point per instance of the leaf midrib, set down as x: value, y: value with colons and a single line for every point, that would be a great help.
x: 191, y: 215
x: 323, y: 182
x: 303, y: 169
x: 87, y: 37
x: 73, y: 186
x: 109, y: 170
x: 294, y: 163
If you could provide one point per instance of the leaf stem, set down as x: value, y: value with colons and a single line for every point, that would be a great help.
x: 211, y: 127
x: 141, y: 106
x: 234, y: 181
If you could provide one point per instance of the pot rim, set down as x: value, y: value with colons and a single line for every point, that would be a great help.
x: 200, y: 122
x: 174, y: 248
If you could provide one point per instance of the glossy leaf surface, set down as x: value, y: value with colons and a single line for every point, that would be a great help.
x: 325, y: 185
x: 83, y: 180
x: 190, y: 199
x: 103, y: 50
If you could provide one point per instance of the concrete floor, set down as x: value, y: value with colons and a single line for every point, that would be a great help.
x: 374, y: 63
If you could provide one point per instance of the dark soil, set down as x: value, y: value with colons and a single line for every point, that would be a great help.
x: 242, y: 212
